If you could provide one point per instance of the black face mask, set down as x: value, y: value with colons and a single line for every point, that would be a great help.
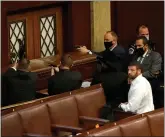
x: 107, y: 45
x: 140, y: 51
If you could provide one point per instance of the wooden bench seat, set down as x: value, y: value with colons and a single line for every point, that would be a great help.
x: 57, y: 113
x: 147, y: 124
x: 18, y: 106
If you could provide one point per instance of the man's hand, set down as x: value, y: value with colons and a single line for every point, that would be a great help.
x: 121, y: 104
x: 52, y: 71
x: 56, y: 69
x: 83, y: 49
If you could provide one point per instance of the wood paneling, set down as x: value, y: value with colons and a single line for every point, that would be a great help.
x: 30, y: 39
x: 81, y: 23
x: 28, y: 32
x: 67, y: 27
x: 59, y: 38
x: 33, y: 36
x: 127, y: 15
x: 4, y: 37
x: 12, y: 7
x: 76, y: 23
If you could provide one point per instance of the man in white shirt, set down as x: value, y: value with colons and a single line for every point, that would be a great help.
x: 140, y: 99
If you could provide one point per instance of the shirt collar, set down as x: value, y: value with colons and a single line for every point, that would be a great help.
x: 14, y: 68
x: 145, y: 53
x: 136, y: 79
x: 113, y: 47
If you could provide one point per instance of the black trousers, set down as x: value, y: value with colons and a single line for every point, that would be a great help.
x: 158, y: 92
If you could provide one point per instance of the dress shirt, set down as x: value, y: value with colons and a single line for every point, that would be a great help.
x: 140, y: 99
x: 14, y: 68
x: 140, y: 59
x: 113, y: 47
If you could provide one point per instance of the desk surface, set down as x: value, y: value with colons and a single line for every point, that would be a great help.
x: 78, y: 58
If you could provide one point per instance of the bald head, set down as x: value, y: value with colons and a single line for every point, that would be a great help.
x: 110, y: 39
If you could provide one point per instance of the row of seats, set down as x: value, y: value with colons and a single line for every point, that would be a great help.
x: 147, y: 124
x: 19, y: 106
x: 43, y: 75
x: 73, y: 113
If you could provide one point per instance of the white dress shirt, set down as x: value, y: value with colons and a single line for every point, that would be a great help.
x: 140, y: 99
x: 113, y: 47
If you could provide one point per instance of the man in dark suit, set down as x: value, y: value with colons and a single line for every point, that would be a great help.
x: 111, y: 62
x: 64, y: 80
x: 114, y: 82
x: 110, y: 44
x: 20, y: 83
x: 150, y: 60
x: 141, y: 30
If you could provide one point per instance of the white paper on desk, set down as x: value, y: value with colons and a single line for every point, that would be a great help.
x: 85, y: 84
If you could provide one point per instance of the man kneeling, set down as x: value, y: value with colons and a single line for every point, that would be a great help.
x: 140, y: 99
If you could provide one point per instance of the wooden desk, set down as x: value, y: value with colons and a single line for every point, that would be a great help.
x: 84, y: 63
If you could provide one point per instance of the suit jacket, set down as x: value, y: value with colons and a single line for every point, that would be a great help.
x: 114, y: 58
x: 131, y: 50
x: 151, y: 63
x: 114, y: 84
x: 118, y: 51
x: 132, y: 47
x: 63, y: 81
x: 20, y: 86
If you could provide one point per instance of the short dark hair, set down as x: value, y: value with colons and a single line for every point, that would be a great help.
x: 145, y: 41
x: 137, y: 64
x: 141, y: 26
x: 113, y: 34
x: 23, y: 63
x: 66, y: 60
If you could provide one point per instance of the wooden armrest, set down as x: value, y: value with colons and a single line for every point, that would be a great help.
x: 119, y: 110
x: 43, y: 91
x: 33, y: 135
x: 67, y: 128
x: 93, y: 120
x: 120, y: 114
